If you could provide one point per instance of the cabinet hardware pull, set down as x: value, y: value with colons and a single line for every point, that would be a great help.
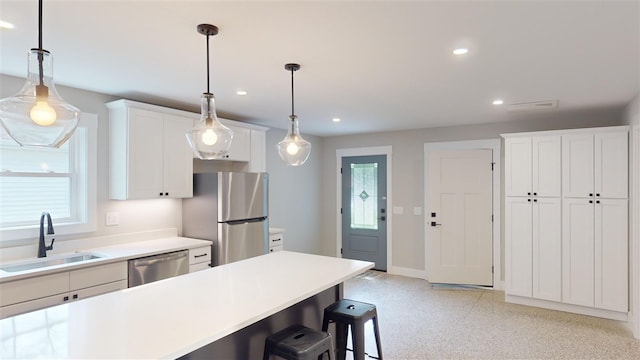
x: 528, y: 193
x: 535, y: 193
x: 535, y: 200
x: 433, y: 223
x: 590, y: 194
x: 66, y: 298
x: 198, y: 256
x: 590, y: 201
x: 75, y: 296
x: 597, y: 201
x: 597, y: 194
x: 529, y: 200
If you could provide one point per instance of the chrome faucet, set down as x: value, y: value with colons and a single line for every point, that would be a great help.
x: 42, y: 248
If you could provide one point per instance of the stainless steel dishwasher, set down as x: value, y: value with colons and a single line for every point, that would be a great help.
x: 157, y: 267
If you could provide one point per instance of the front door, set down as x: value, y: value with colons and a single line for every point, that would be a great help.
x: 459, y: 218
x: 364, y: 209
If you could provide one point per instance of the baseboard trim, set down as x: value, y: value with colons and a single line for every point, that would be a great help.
x: 414, y: 273
x: 576, y: 309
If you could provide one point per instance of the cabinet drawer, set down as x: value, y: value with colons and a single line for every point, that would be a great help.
x: 39, y: 287
x: 84, y: 278
x: 198, y: 267
x: 200, y: 255
x: 27, y: 306
x: 275, y: 248
x: 98, y: 290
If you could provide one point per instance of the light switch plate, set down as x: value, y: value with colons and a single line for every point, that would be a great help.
x: 112, y: 219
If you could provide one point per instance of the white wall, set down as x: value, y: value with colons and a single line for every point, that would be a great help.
x: 135, y: 216
x: 408, y: 163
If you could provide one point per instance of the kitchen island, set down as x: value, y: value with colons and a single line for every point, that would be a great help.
x: 216, y: 313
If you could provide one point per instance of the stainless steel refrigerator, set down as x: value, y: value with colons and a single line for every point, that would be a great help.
x: 231, y: 210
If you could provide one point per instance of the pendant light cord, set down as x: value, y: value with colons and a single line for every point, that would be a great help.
x: 208, y: 80
x: 40, y: 51
x: 293, y: 114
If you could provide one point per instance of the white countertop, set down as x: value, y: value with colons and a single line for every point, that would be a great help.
x: 172, y: 317
x: 109, y: 254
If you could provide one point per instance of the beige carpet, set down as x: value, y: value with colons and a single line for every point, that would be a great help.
x: 421, y: 321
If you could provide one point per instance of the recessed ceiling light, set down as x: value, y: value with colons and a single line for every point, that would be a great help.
x: 241, y: 92
x: 498, y: 102
x: 460, y: 51
x: 6, y: 25
x: 335, y: 119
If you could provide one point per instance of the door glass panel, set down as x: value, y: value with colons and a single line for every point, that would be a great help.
x: 364, y: 196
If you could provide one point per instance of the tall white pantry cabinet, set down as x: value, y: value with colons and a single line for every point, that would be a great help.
x: 566, y: 220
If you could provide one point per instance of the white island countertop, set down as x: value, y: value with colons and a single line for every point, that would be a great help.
x: 173, y: 317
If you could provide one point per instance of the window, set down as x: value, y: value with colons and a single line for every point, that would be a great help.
x: 60, y: 181
x: 364, y: 196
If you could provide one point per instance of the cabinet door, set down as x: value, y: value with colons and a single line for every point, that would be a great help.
x: 577, y: 168
x: 178, y: 157
x: 32, y: 305
x: 578, y: 251
x: 517, y: 172
x: 98, y: 290
x: 97, y: 275
x: 611, y: 164
x: 611, y: 255
x: 518, y: 246
x: 547, y: 171
x: 37, y: 287
x: 145, y: 154
x: 547, y: 249
x: 241, y: 145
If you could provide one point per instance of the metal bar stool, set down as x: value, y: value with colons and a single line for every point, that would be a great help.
x: 299, y: 342
x: 345, y: 313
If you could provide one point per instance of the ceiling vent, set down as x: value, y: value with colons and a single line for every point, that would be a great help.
x: 533, y: 106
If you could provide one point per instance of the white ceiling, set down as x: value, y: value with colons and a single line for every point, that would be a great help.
x: 378, y: 65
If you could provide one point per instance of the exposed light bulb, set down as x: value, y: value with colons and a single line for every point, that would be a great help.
x: 292, y: 148
x: 43, y: 114
x: 209, y: 137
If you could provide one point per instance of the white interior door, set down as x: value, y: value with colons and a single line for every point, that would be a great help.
x: 459, y: 218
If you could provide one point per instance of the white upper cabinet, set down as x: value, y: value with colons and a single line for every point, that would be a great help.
x: 532, y: 166
x: 149, y: 154
x: 240, y: 149
x: 595, y: 165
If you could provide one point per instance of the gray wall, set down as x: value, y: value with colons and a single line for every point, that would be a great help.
x: 408, y: 172
x: 294, y: 199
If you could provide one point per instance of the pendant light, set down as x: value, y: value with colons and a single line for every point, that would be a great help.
x: 209, y: 139
x: 37, y: 115
x: 293, y: 149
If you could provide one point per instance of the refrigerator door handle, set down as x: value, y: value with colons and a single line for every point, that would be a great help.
x: 246, y: 221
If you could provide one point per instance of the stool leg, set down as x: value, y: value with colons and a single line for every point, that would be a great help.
x: 376, y: 331
x: 325, y: 323
x: 341, y: 341
x: 357, y: 337
x: 267, y: 351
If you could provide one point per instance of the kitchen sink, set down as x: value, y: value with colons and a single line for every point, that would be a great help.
x: 46, y: 262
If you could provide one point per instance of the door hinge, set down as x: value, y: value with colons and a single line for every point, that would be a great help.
x: 340, y: 210
x: 340, y: 251
x: 492, y: 166
x: 340, y: 170
x: 491, y: 217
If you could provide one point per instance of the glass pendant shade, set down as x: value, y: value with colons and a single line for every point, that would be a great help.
x: 37, y: 115
x: 209, y: 139
x: 293, y: 149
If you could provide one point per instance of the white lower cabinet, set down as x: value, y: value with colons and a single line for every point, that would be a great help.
x: 533, y: 247
x: 276, y: 240
x: 595, y: 252
x: 39, y: 292
x: 199, y: 258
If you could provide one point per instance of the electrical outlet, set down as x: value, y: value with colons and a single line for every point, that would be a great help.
x: 112, y: 219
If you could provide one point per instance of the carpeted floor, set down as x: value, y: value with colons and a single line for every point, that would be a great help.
x: 421, y: 321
